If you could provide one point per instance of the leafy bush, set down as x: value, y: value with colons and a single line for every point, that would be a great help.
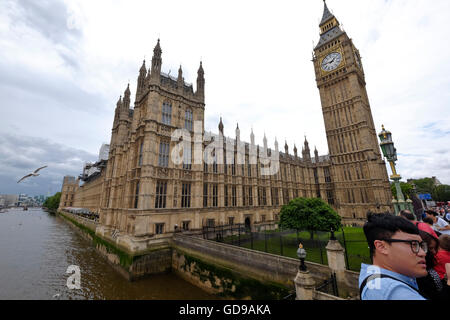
x: 309, y: 214
x: 52, y: 203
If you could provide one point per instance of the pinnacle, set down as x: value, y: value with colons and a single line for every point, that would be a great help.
x: 326, y: 14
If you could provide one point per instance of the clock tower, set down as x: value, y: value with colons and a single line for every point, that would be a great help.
x: 359, y: 173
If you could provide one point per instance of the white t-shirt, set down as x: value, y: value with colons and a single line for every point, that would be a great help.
x: 441, y: 223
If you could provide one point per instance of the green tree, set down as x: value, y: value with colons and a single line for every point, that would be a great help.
x: 52, y: 203
x: 425, y: 185
x: 406, y: 190
x: 441, y: 193
x: 312, y: 214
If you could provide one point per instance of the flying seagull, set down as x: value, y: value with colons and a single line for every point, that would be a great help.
x: 33, y: 174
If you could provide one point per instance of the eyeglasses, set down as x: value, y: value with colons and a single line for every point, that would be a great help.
x: 415, y: 245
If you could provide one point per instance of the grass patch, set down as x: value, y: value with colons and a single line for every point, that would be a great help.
x: 270, y: 242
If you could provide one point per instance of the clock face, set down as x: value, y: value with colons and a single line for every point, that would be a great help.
x: 331, y: 61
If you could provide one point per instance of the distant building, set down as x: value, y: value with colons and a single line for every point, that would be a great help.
x: 8, y: 200
x: 70, y: 186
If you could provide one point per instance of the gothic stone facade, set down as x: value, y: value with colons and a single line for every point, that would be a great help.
x: 144, y: 196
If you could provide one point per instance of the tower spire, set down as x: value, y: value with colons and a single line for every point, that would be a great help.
x: 156, y: 62
x: 126, y: 98
x: 200, y: 93
x: 327, y: 15
x: 221, y: 126
x: 141, y: 81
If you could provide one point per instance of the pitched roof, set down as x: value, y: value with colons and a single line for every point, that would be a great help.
x: 327, y: 15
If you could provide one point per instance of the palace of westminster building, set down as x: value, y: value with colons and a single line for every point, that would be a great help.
x: 141, y: 194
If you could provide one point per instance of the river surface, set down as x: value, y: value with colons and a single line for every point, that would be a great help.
x: 36, y: 248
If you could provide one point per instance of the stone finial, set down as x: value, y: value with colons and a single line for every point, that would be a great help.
x: 221, y: 126
x: 157, y: 50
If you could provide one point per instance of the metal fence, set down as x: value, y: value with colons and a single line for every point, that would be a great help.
x: 284, y: 242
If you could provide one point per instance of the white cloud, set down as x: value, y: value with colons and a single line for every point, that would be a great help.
x: 257, y: 61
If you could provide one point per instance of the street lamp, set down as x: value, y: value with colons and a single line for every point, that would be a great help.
x: 390, y: 153
x: 301, y: 253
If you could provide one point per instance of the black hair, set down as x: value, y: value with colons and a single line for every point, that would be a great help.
x: 408, y: 215
x: 428, y: 220
x: 384, y: 226
x: 431, y: 212
x: 430, y: 259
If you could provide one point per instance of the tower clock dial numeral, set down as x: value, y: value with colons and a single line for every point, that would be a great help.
x: 331, y: 61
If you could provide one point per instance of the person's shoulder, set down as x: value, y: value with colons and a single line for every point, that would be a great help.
x: 401, y: 291
x: 389, y: 289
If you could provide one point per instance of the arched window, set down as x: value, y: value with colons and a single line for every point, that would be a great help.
x: 141, y: 148
x: 188, y: 119
x: 167, y: 113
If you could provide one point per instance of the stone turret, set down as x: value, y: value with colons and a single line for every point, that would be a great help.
x: 141, y: 81
x: 126, y: 99
x: 155, y: 73
x: 221, y: 126
x: 306, y: 151
x: 180, y: 80
x: 200, y: 93
x: 316, y: 155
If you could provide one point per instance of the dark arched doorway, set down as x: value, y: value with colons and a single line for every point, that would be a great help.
x: 247, y: 224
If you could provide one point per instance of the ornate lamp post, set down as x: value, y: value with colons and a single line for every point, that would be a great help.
x: 390, y: 153
x: 301, y: 253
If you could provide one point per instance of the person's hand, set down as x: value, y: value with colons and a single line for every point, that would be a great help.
x: 447, y: 270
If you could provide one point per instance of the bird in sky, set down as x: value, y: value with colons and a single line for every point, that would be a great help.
x: 33, y: 174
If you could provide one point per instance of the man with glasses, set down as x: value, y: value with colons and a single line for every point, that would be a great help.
x: 398, y: 255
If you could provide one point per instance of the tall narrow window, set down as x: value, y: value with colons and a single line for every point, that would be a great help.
x: 161, y: 192
x: 264, y: 198
x: 187, y: 158
x: 233, y: 195
x: 215, y: 195
x: 260, y: 201
x: 167, y: 113
x: 249, y: 169
x: 215, y: 164
x: 141, y: 148
x: 186, y: 195
x: 159, y: 228
x: 233, y: 167
x: 244, y: 196
x: 225, y: 164
x: 136, y: 196
x: 225, y: 190
x: 163, y: 154
x: 326, y: 172
x: 205, y: 195
x: 330, y: 197
x: 285, y: 196
x: 250, y: 196
x: 316, y: 176
x: 275, y: 197
x: 188, y: 120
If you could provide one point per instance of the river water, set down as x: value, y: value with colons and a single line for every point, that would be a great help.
x: 36, y: 248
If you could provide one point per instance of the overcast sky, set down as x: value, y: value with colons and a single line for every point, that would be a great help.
x: 64, y: 64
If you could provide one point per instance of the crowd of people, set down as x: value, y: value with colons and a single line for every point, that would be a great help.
x: 410, y: 256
